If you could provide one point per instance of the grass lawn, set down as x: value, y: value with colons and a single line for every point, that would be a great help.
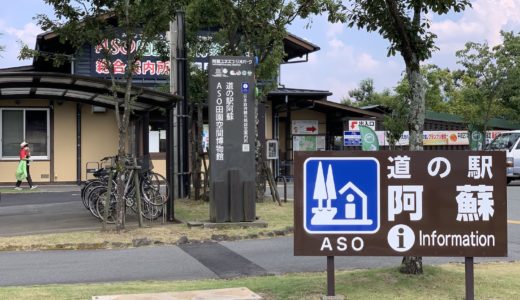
x: 492, y: 281
x: 279, y: 218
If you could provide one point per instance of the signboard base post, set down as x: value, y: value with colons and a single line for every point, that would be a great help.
x: 330, y: 276
x: 331, y: 289
x: 470, y: 286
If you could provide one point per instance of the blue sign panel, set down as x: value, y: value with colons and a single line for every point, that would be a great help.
x: 341, y: 195
x: 245, y: 88
x: 351, y: 138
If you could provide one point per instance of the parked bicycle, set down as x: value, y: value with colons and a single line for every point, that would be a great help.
x: 152, y: 188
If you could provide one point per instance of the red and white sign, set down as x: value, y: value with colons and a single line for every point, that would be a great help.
x: 305, y: 127
x: 353, y: 125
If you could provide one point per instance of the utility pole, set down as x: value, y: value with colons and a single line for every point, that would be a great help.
x: 182, y: 88
x: 178, y: 86
x: 171, y: 119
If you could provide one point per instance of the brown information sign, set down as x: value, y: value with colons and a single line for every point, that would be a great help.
x: 400, y: 203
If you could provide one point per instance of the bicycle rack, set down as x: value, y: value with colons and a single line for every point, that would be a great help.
x: 91, y: 167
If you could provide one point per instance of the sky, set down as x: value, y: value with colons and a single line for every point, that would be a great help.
x: 346, y: 55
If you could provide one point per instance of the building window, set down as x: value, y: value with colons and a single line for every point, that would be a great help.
x: 157, y: 137
x: 30, y: 125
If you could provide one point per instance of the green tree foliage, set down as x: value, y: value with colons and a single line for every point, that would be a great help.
x: 508, y: 59
x: 440, y: 91
x: 480, y: 81
x: 440, y: 88
x: 396, y: 122
x: 91, y: 22
x: 363, y: 95
x: 489, y: 81
x: 366, y: 95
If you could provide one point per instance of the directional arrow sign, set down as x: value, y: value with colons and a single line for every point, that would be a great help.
x: 305, y: 127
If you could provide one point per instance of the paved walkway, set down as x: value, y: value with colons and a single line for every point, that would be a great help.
x: 59, y: 209
x: 210, y: 260
x: 47, y: 188
x: 287, y: 190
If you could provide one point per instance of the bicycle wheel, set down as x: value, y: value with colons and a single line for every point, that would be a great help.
x: 94, y: 197
x: 154, y: 189
x: 148, y: 211
x: 100, y: 207
x: 151, y: 212
x: 83, y: 189
x: 87, y: 189
x: 131, y: 199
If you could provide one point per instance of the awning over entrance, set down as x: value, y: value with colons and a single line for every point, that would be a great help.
x: 298, y: 94
x: 83, y: 89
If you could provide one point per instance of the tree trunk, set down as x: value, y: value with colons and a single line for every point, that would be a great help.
x: 486, y: 120
x: 122, y: 156
x: 121, y: 153
x: 417, y: 106
x: 261, y: 177
x: 196, y: 148
x: 260, y: 173
x: 413, y: 264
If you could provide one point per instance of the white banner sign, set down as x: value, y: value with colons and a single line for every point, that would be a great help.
x: 436, y: 138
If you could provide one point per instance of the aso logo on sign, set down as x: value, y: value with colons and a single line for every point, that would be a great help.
x: 338, y: 199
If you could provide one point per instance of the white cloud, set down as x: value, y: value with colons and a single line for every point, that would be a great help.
x: 337, y: 49
x: 27, y: 34
x: 340, y: 88
x: 450, y: 29
x: 339, y: 69
x: 366, y: 63
x: 335, y: 29
x: 497, y: 14
x: 10, y: 39
x: 482, y: 22
x: 313, y: 58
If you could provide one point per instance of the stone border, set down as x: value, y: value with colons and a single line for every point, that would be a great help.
x: 145, y: 242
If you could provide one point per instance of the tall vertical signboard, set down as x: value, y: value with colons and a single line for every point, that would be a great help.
x: 232, y: 138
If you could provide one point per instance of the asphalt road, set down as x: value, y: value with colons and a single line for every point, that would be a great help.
x: 192, y: 261
x: 34, y: 213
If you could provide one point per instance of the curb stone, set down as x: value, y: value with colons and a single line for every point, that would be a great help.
x: 143, y: 242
